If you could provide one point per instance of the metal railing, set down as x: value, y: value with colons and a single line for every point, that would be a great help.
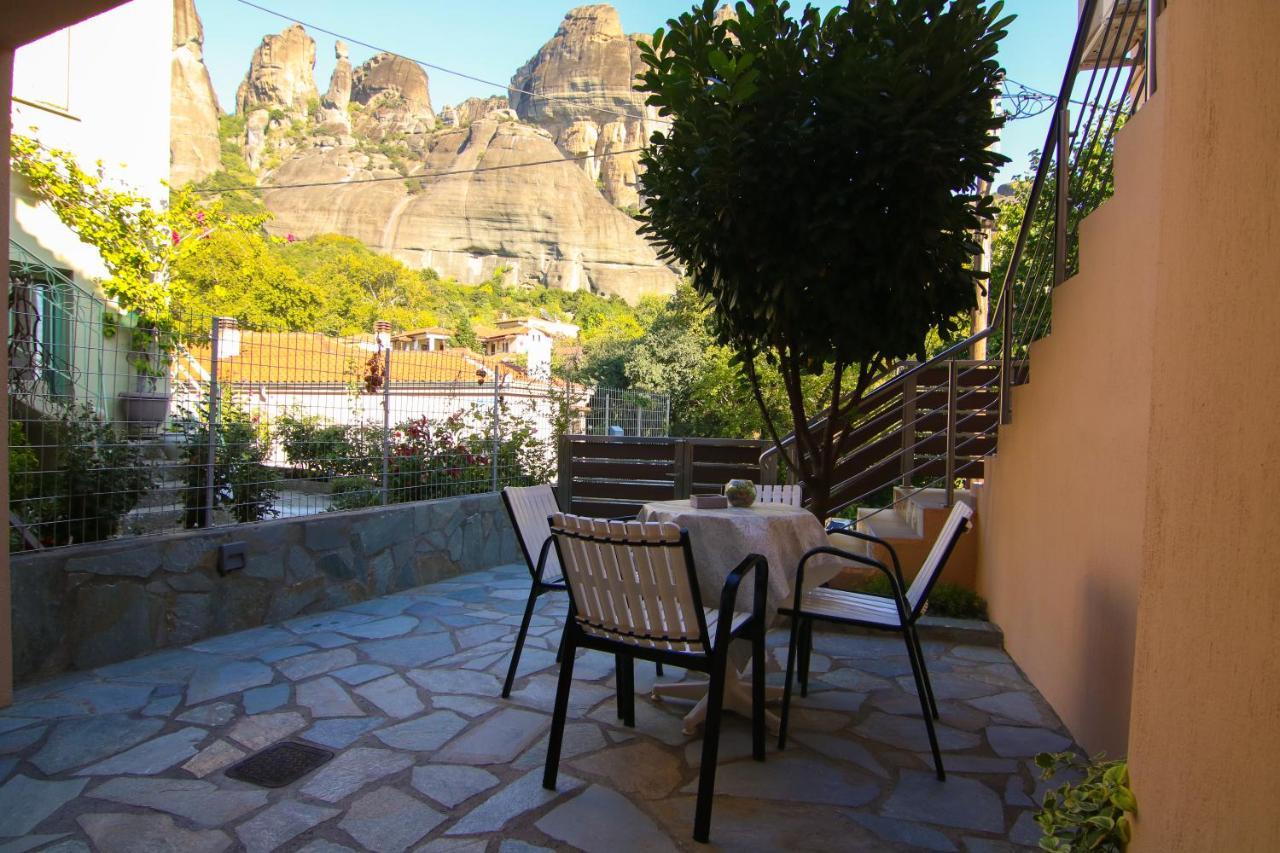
x: 119, y: 429
x: 932, y: 424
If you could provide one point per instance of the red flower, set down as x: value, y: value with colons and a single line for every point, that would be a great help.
x: 290, y: 238
x: 173, y: 235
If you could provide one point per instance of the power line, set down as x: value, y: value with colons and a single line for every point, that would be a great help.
x: 505, y: 86
x: 258, y: 188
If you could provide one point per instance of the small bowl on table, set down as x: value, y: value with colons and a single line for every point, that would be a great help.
x: 740, y: 493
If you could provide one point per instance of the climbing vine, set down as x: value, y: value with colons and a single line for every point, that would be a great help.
x: 139, y: 242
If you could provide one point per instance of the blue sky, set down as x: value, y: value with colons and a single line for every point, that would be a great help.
x: 490, y: 39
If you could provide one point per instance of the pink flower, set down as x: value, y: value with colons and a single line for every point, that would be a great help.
x: 290, y: 238
x: 200, y: 216
x: 173, y: 235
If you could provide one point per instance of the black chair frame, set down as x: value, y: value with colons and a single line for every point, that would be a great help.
x: 801, y: 644
x: 714, y: 663
x: 538, y: 588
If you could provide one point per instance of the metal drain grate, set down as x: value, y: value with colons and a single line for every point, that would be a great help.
x: 280, y: 764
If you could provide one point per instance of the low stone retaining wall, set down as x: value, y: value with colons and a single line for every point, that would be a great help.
x: 89, y: 605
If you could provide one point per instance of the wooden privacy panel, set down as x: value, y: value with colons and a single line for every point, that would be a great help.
x: 612, y: 476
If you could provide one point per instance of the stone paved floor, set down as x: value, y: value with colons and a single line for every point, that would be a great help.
x: 406, y: 690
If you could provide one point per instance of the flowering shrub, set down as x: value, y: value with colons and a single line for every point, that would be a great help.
x: 447, y: 457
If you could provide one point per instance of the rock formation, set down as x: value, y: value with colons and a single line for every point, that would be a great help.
x: 395, y: 94
x: 194, y: 150
x: 579, y: 87
x: 339, y: 94
x: 473, y: 109
x: 281, y: 75
x: 544, y: 224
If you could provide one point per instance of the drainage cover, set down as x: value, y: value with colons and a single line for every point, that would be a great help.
x: 280, y: 764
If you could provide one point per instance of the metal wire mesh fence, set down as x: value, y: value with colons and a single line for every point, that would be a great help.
x: 117, y: 429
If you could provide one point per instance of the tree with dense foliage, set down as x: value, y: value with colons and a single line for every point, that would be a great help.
x: 818, y: 184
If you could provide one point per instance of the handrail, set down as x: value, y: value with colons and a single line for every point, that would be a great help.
x: 893, y: 381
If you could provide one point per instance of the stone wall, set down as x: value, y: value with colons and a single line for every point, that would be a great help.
x: 90, y: 605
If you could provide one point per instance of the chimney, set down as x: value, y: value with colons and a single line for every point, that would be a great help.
x: 382, y: 332
x: 228, y: 337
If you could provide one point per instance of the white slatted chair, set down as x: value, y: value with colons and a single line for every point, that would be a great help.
x: 529, y: 507
x: 782, y: 494
x: 633, y: 592
x: 899, y: 613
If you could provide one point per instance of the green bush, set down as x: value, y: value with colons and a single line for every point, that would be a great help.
x: 945, y: 599
x: 94, y: 478
x: 242, y: 483
x: 1092, y: 814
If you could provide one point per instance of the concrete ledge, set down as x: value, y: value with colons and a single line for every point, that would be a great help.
x: 967, y: 632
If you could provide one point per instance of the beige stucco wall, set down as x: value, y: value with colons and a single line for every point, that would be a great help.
x: 1205, y: 728
x: 1131, y: 548
x: 1063, y: 506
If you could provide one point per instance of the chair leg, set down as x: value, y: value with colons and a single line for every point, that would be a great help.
x: 786, y: 690
x: 924, y: 706
x: 524, y: 631
x: 757, y: 694
x: 806, y: 651
x: 556, y: 739
x: 710, y: 748
x: 625, y: 681
x: 560, y: 650
x: 924, y: 671
x: 659, y: 665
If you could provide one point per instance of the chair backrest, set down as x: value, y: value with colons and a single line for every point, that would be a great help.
x: 786, y: 494
x: 632, y: 582
x: 956, y: 524
x: 529, y: 507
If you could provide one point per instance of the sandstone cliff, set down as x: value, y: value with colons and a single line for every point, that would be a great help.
x: 579, y: 87
x: 473, y: 109
x: 545, y: 224
x: 281, y: 74
x: 194, y: 150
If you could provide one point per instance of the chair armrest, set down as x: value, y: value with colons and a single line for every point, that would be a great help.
x: 895, y: 582
x: 729, y: 595
x: 624, y: 518
x: 867, y: 537
x: 542, y: 559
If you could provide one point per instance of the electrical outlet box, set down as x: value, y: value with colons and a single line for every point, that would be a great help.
x: 232, y: 557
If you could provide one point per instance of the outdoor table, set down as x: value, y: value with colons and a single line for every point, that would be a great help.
x: 720, y: 539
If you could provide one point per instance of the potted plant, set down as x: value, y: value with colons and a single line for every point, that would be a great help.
x: 148, y: 402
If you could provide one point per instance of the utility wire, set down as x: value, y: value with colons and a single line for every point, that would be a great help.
x: 1029, y: 93
x: 256, y: 187
x: 505, y: 86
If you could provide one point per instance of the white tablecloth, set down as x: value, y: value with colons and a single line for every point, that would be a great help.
x: 722, y: 538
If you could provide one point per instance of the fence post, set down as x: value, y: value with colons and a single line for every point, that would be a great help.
x: 564, y: 475
x: 683, y: 459
x: 908, y: 456
x: 497, y: 426
x: 1063, y: 195
x: 386, y: 425
x: 205, y: 513
x: 607, y: 396
x: 666, y: 419
x: 952, y: 381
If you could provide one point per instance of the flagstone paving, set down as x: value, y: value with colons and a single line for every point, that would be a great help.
x: 405, y: 689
